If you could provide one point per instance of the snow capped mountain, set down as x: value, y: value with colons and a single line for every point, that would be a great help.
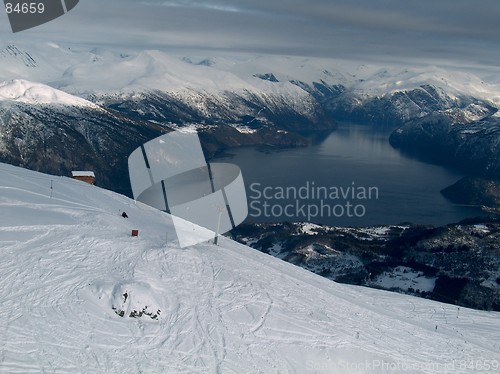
x: 370, y: 80
x: 85, y: 71
x: 290, y: 93
x: 154, y: 70
x: 22, y: 91
x: 48, y: 130
x: 236, y: 100
x: 40, y: 62
x: 79, y: 294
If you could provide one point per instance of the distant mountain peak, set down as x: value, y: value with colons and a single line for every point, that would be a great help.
x: 206, y: 62
x: 15, y: 53
x: 267, y: 77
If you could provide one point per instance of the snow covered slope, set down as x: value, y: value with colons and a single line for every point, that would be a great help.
x: 79, y: 294
x: 23, y: 91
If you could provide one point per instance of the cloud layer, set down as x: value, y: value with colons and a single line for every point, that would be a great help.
x: 457, y: 31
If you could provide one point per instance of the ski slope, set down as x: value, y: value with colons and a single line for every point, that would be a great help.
x: 67, y: 261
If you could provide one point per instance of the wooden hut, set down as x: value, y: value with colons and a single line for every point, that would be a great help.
x: 84, y: 176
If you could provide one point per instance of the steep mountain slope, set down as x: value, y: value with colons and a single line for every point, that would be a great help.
x: 48, y: 130
x: 471, y: 145
x: 80, y: 295
x: 155, y: 86
x: 397, y: 107
x: 475, y: 191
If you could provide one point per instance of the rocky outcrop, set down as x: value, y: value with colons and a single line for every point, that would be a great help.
x: 474, y: 191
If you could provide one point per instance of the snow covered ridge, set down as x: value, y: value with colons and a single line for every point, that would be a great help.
x: 82, y: 71
x: 79, y: 294
x: 26, y: 92
x: 291, y: 93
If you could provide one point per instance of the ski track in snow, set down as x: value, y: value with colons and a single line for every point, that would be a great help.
x: 227, y: 309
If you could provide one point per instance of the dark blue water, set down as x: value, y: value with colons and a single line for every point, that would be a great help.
x: 352, y: 178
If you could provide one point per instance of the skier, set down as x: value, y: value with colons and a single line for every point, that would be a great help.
x: 124, y: 215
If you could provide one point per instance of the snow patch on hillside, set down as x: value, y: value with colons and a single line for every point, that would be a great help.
x: 22, y: 91
x: 405, y: 279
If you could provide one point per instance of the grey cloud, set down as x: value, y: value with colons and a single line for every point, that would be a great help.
x: 453, y: 30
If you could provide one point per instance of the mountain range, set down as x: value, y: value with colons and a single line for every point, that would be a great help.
x: 101, y: 96
x: 79, y: 294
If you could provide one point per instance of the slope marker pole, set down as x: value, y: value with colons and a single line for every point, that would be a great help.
x: 216, y: 239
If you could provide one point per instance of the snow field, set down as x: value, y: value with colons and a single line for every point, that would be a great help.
x: 67, y: 261
x: 26, y: 92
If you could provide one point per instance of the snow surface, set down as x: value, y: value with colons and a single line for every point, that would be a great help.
x: 67, y: 262
x: 243, y: 129
x: 22, y: 91
x: 78, y: 173
x: 404, y: 278
x: 310, y: 228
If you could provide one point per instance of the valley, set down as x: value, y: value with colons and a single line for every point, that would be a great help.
x: 61, y: 111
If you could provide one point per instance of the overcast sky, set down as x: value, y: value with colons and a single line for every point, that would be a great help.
x: 459, y: 32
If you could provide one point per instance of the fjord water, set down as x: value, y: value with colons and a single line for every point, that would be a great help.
x: 353, y: 158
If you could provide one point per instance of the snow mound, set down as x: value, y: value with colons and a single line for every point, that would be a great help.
x: 27, y: 92
x: 79, y: 294
x: 128, y: 299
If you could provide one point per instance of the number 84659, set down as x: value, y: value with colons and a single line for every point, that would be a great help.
x: 25, y: 8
